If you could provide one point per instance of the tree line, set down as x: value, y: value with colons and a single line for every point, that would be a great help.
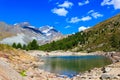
x: 33, y: 45
x: 66, y: 43
x: 80, y: 40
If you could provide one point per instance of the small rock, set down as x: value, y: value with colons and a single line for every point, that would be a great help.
x: 116, y: 77
x: 119, y: 75
x: 106, y: 70
x: 106, y: 76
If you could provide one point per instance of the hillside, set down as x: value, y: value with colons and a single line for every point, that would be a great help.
x: 14, y: 56
x: 13, y: 62
x: 104, y: 36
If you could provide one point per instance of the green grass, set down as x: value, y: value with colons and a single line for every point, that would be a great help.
x: 23, y: 73
x: 6, y: 48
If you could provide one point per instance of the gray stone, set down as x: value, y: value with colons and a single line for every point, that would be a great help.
x: 107, y: 69
x: 106, y: 76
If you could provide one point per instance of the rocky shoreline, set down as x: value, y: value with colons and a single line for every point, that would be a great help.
x: 111, y: 72
x: 30, y: 70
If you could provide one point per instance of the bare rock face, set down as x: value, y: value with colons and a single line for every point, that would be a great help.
x: 24, y: 33
x: 7, y: 73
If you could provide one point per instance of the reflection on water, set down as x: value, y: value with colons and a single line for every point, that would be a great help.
x: 72, y: 65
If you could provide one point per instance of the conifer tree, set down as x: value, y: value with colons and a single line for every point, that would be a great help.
x: 14, y: 45
x: 24, y: 47
x: 19, y: 46
x: 33, y: 45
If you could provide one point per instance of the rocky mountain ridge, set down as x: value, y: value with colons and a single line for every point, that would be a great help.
x: 24, y: 33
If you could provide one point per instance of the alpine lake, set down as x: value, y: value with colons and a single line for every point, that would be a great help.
x: 70, y: 66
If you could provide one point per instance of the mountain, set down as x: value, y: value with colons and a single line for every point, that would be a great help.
x: 104, y: 36
x: 24, y: 33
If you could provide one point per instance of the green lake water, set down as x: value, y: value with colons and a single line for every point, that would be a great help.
x: 72, y: 65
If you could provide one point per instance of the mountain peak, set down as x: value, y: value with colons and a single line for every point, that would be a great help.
x: 22, y: 24
x: 46, y: 29
x: 24, y: 33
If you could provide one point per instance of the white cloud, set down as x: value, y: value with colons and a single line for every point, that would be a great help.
x: 82, y: 28
x: 115, y: 3
x: 60, y: 11
x: 91, y: 11
x: 74, y: 20
x: 95, y: 14
x: 66, y: 4
x: 83, y: 3
x: 67, y: 26
x: 106, y: 2
x: 91, y: 14
x: 86, y: 18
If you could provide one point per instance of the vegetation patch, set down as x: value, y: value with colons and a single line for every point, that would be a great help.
x: 33, y: 45
x: 23, y: 73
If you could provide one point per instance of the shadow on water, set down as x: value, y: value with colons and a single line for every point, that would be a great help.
x: 72, y: 65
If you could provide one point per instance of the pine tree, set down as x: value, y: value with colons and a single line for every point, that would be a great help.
x: 33, y: 45
x: 29, y: 46
x: 24, y: 47
x: 14, y: 45
x: 19, y: 46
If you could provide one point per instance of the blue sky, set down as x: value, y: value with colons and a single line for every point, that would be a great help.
x: 67, y: 16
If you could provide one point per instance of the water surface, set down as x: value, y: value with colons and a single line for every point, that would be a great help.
x: 72, y: 65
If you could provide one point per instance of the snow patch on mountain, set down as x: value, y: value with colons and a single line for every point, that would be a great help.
x: 48, y: 34
x: 46, y: 31
x: 31, y: 26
